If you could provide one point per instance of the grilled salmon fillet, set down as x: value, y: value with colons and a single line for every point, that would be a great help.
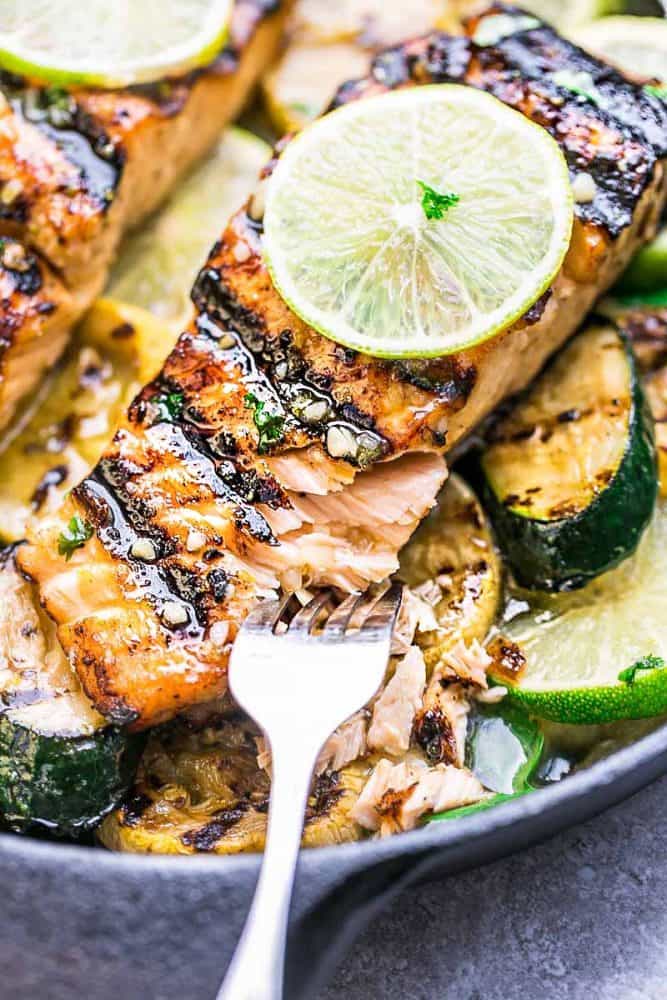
x: 79, y: 168
x: 266, y: 456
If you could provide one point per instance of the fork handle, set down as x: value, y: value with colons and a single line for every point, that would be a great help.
x: 257, y: 968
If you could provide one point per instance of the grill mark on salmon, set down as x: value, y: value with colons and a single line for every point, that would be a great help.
x: 186, y: 479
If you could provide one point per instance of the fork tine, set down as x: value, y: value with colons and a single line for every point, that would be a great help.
x: 339, y: 619
x: 385, y: 611
x: 266, y: 614
x: 307, y: 618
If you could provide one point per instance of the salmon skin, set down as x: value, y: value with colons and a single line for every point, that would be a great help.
x: 265, y: 456
x: 78, y: 168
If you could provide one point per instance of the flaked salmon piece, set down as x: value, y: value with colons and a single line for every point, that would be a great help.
x: 465, y: 662
x: 395, y: 708
x: 396, y: 796
x: 208, y: 448
x: 347, y: 744
x: 79, y: 168
x: 458, y: 678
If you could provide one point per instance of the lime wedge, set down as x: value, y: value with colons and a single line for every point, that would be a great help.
x: 635, y: 44
x: 98, y: 43
x: 400, y: 225
x: 157, y: 265
x: 581, y: 648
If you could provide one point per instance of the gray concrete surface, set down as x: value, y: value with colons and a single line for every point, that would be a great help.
x: 583, y: 917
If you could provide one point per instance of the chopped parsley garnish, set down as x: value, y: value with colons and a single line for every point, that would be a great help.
x: 649, y: 662
x: 169, y: 406
x: 76, y: 534
x: 581, y: 84
x: 434, y: 203
x: 269, y: 425
x: 659, y: 90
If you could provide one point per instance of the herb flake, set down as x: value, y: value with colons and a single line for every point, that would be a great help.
x: 581, y: 84
x: 650, y: 662
x: 269, y: 425
x: 169, y: 406
x: 435, y: 204
x: 659, y: 90
x: 75, y: 535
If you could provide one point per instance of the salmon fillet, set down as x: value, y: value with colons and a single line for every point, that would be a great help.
x: 79, y: 168
x: 266, y: 456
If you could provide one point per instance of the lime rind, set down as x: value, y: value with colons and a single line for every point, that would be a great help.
x: 645, y: 698
x: 100, y: 67
x: 343, y: 216
x: 576, y: 644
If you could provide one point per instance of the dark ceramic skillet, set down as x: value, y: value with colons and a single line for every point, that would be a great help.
x: 75, y: 921
x: 78, y: 921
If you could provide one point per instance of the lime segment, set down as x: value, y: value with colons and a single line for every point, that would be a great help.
x: 579, y: 647
x: 353, y: 252
x: 98, y: 43
x: 156, y: 266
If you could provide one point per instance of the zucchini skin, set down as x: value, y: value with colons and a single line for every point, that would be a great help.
x: 63, y: 784
x: 567, y: 553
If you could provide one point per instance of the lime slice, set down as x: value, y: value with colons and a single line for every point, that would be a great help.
x: 635, y: 44
x: 157, y: 265
x: 98, y: 43
x: 579, y: 647
x: 400, y: 225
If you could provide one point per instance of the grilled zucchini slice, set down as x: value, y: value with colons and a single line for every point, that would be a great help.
x: 569, y: 475
x: 451, y: 561
x: 200, y: 790
x: 61, y: 766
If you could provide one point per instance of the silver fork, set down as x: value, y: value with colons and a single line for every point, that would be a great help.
x: 298, y: 685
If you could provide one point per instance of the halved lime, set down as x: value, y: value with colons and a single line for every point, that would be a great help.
x: 418, y: 222
x: 98, y: 43
x: 580, y: 648
x: 635, y: 44
x: 157, y: 265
